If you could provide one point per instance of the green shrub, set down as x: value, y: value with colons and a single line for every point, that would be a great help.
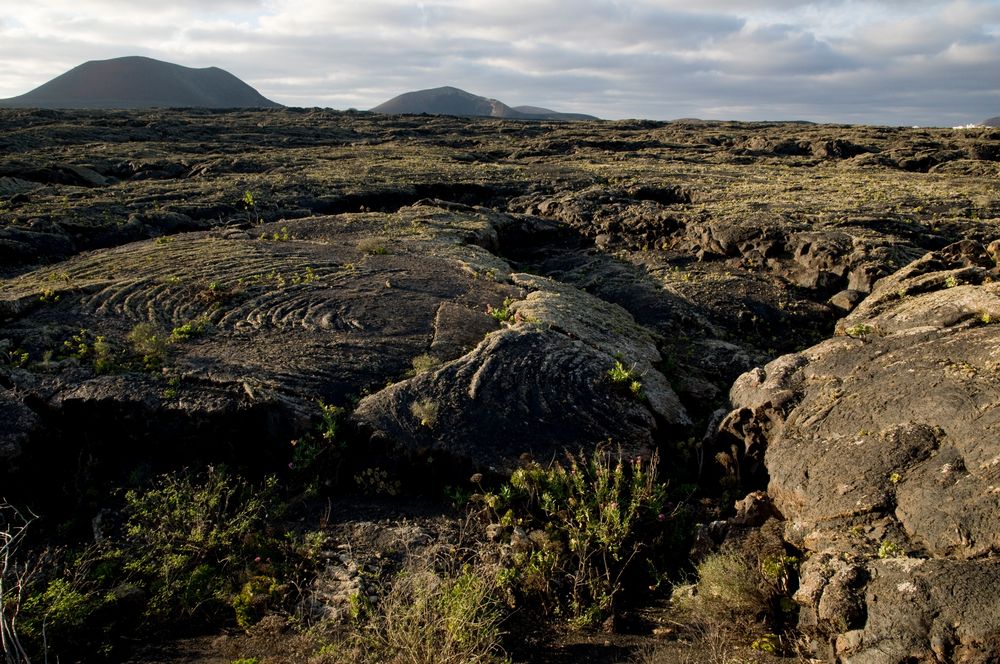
x: 150, y: 343
x: 16, y: 357
x: 188, y: 538
x: 322, y: 449
x: 192, y: 547
x: 729, y: 589
x: 626, y: 378
x: 258, y: 594
x: 425, y: 411
x: 372, y: 246
x: 577, y: 528
x: 424, y: 363
x: 377, y: 482
x: 74, y: 602
x: 860, y: 331
x: 60, y: 611
x: 503, y: 313
x: 87, y: 347
x: 188, y: 331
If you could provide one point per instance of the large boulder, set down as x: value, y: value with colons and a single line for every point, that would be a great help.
x: 538, y: 385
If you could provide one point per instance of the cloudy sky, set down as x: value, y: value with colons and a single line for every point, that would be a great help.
x: 898, y: 62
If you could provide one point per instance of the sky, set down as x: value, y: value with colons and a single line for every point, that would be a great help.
x: 888, y: 62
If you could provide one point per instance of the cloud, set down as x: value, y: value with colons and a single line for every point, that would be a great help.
x: 881, y: 61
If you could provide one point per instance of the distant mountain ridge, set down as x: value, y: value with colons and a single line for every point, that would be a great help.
x: 992, y: 122
x: 140, y: 82
x: 448, y: 100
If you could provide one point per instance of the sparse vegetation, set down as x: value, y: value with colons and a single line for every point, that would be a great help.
x: 626, y: 378
x: 13, y: 357
x: 429, y: 618
x: 188, y: 331
x: 734, y: 593
x: 95, y: 349
x: 16, y: 575
x: 322, y: 449
x: 149, y: 343
x: 250, y: 205
x: 373, y: 246
x: 889, y: 549
x: 427, y: 615
x: 728, y: 591
x: 424, y: 363
x: 426, y: 412
x: 376, y: 482
x: 574, y: 543
x: 187, y: 535
x: 860, y: 331
x: 49, y: 296
x: 191, y: 547
x: 577, y: 529
x: 504, y: 313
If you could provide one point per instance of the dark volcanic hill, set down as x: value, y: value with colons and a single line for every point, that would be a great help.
x: 539, y: 113
x: 138, y: 82
x: 452, y: 101
x: 992, y: 122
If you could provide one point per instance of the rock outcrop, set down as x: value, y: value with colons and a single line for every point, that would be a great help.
x: 538, y: 385
x: 214, y: 327
x: 881, y: 450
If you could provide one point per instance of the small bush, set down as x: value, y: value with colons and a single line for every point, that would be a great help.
x: 87, y: 347
x: 250, y: 205
x: 376, y: 482
x: 736, y: 592
x: 188, y: 331
x: 282, y: 235
x: 426, y: 411
x: 188, y: 538
x: 373, y: 246
x: 424, y: 363
x: 150, y: 343
x: 13, y: 357
x: 860, y: 331
x: 504, y: 313
x: 728, y: 590
x: 322, y: 449
x: 74, y: 602
x: 577, y: 529
x: 889, y: 549
x: 426, y: 616
x: 626, y: 378
x: 16, y: 577
x: 259, y: 593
